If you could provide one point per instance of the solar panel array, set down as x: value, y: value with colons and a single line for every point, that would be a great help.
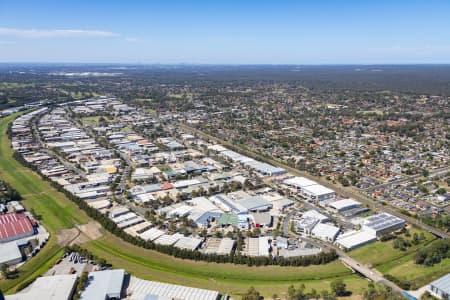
x: 383, y: 221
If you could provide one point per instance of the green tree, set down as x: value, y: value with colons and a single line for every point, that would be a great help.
x: 251, y: 294
x: 338, y: 287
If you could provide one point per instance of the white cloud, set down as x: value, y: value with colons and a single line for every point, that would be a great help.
x: 52, y: 33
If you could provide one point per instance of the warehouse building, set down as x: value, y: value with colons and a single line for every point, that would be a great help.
x: 325, y: 232
x: 382, y: 223
x: 168, y: 239
x: 440, y: 288
x: 188, y: 243
x: 16, y: 226
x: 264, y: 168
x: 228, y: 205
x: 10, y: 253
x: 104, y: 285
x: 255, y: 204
x: 344, y: 205
x: 151, y: 234
x: 354, y: 239
x: 139, y: 289
x: 299, y: 182
x: 309, y: 220
x: 57, y: 287
x: 318, y: 193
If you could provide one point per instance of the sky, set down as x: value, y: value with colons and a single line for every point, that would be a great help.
x: 226, y: 32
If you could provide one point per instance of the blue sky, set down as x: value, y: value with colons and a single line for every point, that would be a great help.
x: 226, y: 32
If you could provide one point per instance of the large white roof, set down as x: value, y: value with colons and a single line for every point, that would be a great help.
x: 299, y: 182
x: 141, y: 289
x: 352, y: 239
x: 57, y: 287
x: 341, y: 204
x: 325, y: 231
x: 317, y: 189
x: 9, y: 252
x: 151, y: 234
x: 189, y: 243
x: 103, y: 284
x: 315, y: 215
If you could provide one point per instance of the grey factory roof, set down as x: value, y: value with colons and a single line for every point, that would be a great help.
x: 264, y: 168
x: 382, y: 221
x: 103, y: 284
x: 344, y: 204
x: 254, y: 203
x: 142, y: 289
x: 442, y: 284
x: 9, y: 252
x: 57, y: 287
x: 189, y: 243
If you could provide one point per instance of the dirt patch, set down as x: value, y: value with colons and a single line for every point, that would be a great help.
x: 91, y: 231
x: 66, y: 236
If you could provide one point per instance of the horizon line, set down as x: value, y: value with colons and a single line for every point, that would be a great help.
x: 226, y: 64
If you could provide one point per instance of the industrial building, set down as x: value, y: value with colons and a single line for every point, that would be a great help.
x: 10, y: 253
x: 318, y: 193
x: 341, y: 206
x: 309, y: 220
x: 440, y: 288
x: 104, y: 285
x: 139, y: 289
x: 255, y: 204
x: 325, y: 232
x: 57, y: 287
x: 15, y: 226
x: 311, y: 189
x: 299, y: 182
x: 354, y: 239
x: 382, y: 223
x: 264, y: 169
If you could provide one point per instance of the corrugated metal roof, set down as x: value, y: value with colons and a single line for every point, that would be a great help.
x: 442, y: 283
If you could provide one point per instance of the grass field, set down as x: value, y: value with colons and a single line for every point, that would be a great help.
x: 400, y: 264
x: 419, y: 275
x: 380, y: 253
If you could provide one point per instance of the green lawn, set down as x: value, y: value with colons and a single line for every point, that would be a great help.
x: 400, y: 264
x: 420, y: 275
x: 380, y: 253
